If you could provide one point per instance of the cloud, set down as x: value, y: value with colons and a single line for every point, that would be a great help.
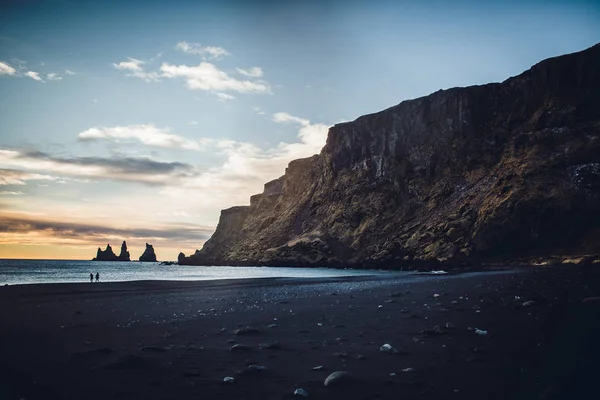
x: 134, y: 66
x: 283, y: 117
x: 210, y: 52
x: 148, y: 134
x: 53, y: 77
x: 69, y: 72
x: 10, y: 193
x: 225, y: 97
x: 17, y: 177
x: 206, y: 76
x: 6, y: 69
x: 22, y: 228
x: 248, y: 167
x: 34, y: 76
x: 129, y: 169
x: 258, y: 110
x: 255, y: 72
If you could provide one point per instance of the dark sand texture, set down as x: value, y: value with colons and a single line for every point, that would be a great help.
x: 174, y: 340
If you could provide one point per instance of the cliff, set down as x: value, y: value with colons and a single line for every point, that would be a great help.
x: 505, y: 169
x: 109, y: 255
x: 148, y: 255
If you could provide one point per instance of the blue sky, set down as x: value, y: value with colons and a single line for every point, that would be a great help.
x: 142, y: 120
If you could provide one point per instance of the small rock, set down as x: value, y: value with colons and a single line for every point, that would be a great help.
x: 481, y: 332
x: 449, y: 325
x: 529, y: 303
x: 338, y: 378
x: 393, y: 374
x: 272, y: 326
x: 409, y: 369
x: 239, y: 347
x: 380, y: 306
x: 435, y: 295
x: 270, y: 346
x: 228, y: 380
x: 300, y: 393
x: 318, y: 368
x: 387, y: 348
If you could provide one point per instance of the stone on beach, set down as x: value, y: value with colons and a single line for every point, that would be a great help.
x: 338, y: 378
x: 300, y: 393
x: 387, y: 348
x: 247, y: 331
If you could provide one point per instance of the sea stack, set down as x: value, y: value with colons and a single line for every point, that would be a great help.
x: 106, y: 255
x: 109, y: 255
x: 149, y: 255
x: 124, y: 256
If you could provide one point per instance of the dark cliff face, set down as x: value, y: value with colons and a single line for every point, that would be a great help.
x: 148, y: 255
x: 505, y: 169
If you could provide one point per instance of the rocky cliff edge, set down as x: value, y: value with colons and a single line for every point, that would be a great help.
x: 504, y: 170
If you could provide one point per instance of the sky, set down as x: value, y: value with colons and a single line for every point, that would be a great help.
x: 141, y: 120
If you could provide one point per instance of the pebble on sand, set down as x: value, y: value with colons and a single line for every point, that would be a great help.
x: 300, y: 393
x: 338, y: 378
x: 387, y: 348
x: 228, y: 380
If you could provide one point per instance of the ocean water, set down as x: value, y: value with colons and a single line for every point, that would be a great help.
x: 60, y: 271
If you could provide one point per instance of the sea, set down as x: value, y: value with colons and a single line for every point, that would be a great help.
x: 14, y: 271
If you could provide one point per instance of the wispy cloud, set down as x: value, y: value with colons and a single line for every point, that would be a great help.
x: 206, y: 76
x: 6, y: 69
x: 10, y: 193
x: 139, y: 169
x: 53, y: 77
x: 283, y: 117
x: 23, y: 229
x: 225, y: 97
x: 135, y: 69
x: 209, y: 52
x: 34, y: 75
x: 69, y: 72
x: 149, y: 135
x: 17, y: 177
x: 255, y: 72
x: 258, y: 110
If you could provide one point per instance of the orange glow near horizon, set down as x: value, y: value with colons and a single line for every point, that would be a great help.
x: 47, y: 252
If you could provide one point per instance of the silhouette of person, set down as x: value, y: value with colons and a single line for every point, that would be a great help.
x: 97, y: 277
x: 91, y: 278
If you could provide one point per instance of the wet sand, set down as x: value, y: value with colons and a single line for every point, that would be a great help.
x: 174, y: 340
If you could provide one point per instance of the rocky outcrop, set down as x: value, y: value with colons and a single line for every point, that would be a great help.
x: 124, y: 256
x: 149, y: 255
x: 109, y: 255
x: 466, y: 174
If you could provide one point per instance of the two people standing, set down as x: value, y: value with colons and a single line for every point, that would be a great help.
x: 97, y: 277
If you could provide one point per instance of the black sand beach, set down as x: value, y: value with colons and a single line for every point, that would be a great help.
x: 175, y: 340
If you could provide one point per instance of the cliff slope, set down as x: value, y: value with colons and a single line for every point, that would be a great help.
x: 504, y: 169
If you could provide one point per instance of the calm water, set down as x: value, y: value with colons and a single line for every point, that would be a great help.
x: 53, y: 271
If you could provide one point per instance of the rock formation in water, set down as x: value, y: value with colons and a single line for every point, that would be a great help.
x: 149, y: 255
x: 504, y: 170
x: 124, y: 256
x: 109, y: 255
